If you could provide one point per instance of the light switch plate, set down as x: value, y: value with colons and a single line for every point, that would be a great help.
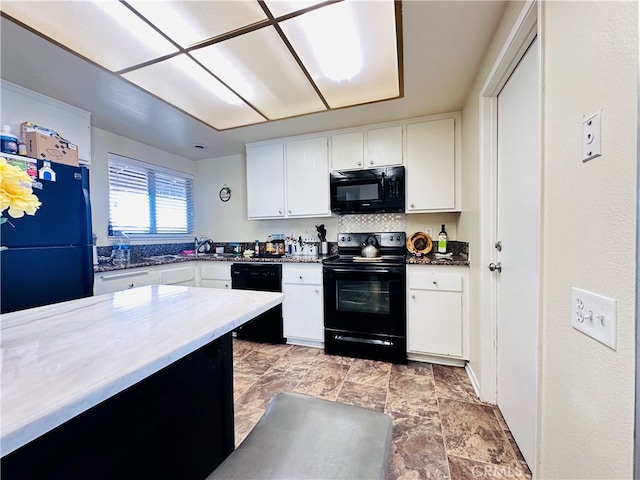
x: 591, y: 137
x: 594, y: 315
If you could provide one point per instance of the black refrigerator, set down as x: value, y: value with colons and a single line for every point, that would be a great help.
x: 50, y: 254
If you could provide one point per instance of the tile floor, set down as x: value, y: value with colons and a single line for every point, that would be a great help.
x: 441, y: 429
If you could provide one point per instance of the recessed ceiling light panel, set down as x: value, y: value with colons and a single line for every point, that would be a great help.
x: 183, y: 83
x: 105, y: 32
x: 353, y: 60
x: 191, y: 22
x: 325, y: 55
x: 284, y: 7
x: 261, y: 68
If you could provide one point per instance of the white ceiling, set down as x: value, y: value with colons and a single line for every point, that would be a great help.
x: 444, y: 42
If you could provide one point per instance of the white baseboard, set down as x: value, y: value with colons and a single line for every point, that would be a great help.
x: 421, y: 357
x: 305, y: 342
x: 474, y: 380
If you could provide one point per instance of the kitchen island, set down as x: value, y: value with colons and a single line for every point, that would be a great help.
x: 133, y: 384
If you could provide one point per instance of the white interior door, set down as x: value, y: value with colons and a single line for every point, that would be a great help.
x: 518, y: 198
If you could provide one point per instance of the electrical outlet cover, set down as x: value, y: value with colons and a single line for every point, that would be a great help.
x: 591, y: 137
x: 594, y: 315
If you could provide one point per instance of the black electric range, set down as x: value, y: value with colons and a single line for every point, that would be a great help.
x: 365, y: 298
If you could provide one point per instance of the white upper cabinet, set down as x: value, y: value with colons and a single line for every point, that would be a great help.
x: 265, y: 180
x: 369, y: 148
x: 347, y: 151
x: 384, y: 147
x: 288, y: 178
x: 432, y: 167
x: 307, y: 178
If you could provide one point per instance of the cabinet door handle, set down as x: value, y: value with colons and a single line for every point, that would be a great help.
x: 413, y: 295
x: 412, y: 205
x: 226, y: 285
x: 121, y: 275
x: 289, y: 211
x: 130, y: 285
x: 435, y: 282
x: 317, y: 291
x: 359, y: 164
x: 370, y: 162
x: 300, y: 277
x: 279, y: 211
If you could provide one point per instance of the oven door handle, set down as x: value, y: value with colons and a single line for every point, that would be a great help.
x: 369, y: 341
x: 366, y: 270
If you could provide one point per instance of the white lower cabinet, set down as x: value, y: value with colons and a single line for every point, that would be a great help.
x: 215, y: 274
x: 179, y: 275
x: 437, y: 318
x: 108, y: 282
x: 302, y: 309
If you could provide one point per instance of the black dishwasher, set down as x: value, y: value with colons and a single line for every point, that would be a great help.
x: 265, y: 277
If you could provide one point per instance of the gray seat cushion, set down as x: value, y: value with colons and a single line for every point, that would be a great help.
x: 305, y: 437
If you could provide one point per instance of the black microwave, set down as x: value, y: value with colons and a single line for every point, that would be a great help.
x: 368, y: 191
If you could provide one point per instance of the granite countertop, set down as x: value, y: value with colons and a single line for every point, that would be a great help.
x: 60, y: 360
x: 460, y: 259
x: 146, y: 262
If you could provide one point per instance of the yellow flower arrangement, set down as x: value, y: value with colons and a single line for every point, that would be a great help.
x: 16, y: 193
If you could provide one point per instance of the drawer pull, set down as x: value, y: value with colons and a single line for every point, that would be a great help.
x: 435, y: 282
x: 122, y: 275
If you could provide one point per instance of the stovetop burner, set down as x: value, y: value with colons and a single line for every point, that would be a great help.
x: 390, y: 244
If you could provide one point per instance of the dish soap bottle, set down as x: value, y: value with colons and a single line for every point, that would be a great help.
x: 443, y: 239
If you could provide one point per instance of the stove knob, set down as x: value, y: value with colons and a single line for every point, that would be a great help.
x: 392, y: 238
x: 398, y: 238
x: 348, y: 239
x: 342, y: 239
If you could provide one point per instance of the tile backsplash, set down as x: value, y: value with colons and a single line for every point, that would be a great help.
x: 372, y: 222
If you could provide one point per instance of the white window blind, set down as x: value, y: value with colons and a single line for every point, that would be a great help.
x: 148, y: 199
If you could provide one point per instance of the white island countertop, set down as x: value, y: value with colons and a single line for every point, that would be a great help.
x: 60, y: 360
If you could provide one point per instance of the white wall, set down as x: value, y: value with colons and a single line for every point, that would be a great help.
x: 103, y: 143
x: 227, y: 221
x: 19, y: 105
x: 590, y: 62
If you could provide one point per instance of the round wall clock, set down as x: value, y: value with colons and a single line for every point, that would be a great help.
x: 225, y: 193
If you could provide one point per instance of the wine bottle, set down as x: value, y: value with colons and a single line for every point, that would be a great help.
x: 443, y: 239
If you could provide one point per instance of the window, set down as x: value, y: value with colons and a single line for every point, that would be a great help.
x: 148, y: 199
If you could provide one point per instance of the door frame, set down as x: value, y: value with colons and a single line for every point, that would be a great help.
x: 522, y: 34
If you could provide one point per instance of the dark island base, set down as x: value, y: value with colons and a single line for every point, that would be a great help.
x: 177, y: 423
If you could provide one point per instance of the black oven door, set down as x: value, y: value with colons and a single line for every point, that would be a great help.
x: 365, y: 299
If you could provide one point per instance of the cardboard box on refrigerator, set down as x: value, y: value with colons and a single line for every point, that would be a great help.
x: 54, y: 148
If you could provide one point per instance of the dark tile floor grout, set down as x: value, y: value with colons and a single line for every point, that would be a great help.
x: 441, y: 429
